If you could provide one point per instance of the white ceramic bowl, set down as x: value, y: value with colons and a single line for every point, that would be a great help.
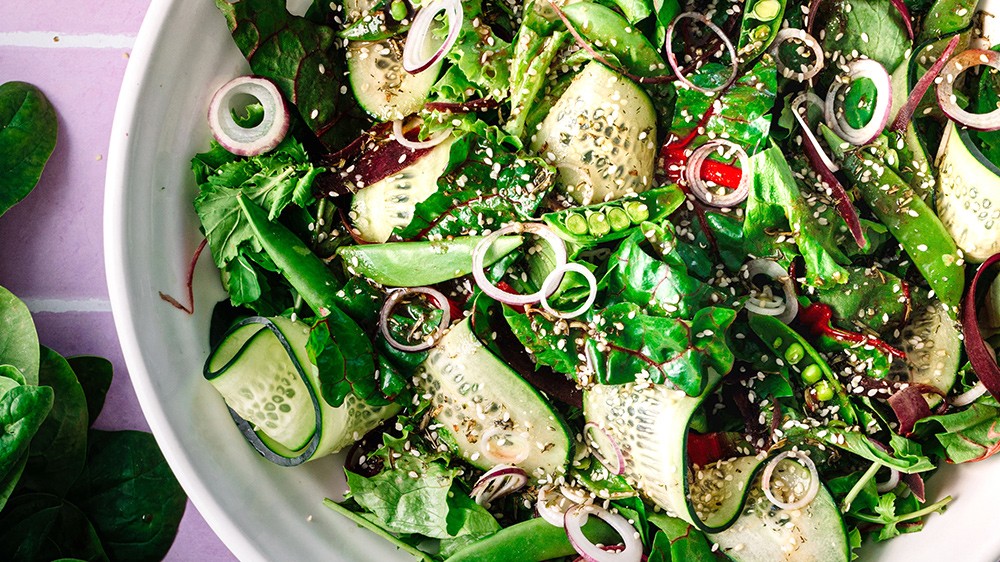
x: 261, y: 511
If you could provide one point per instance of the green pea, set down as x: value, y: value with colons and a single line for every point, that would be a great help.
x: 824, y: 391
x: 761, y: 33
x: 637, y: 211
x: 398, y: 10
x: 794, y: 353
x: 576, y: 224
x: 812, y: 374
x: 598, y: 224
x: 618, y: 219
x: 777, y: 343
x: 766, y: 10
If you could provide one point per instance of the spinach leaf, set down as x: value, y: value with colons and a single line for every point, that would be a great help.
x: 46, y: 527
x: 22, y: 411
x: 630, y: 345
x: 28, y: 130
x: 304, y: 59
x: 59, y: 449
x: 130, y: 495
x: 487, y: 185
x: 871, y: 28
x: 18, y: 339
x: 552, y: 343
x: 411, y: 498
x: 94, y: 374
x: 8, y: 483
x: 678, y: 541
x: 871, y: 297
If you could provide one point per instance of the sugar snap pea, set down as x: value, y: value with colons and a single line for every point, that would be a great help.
x: 532, y: 541
x: 611, y: 220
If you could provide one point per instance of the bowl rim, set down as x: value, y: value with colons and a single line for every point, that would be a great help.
x: 127, y: 114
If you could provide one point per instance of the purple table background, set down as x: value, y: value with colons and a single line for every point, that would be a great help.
x: 51, y: 244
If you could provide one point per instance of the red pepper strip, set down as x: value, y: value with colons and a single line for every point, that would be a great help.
x: 905, y: 113
x: 816, y: 319
x: 982, y: 360
x: 505, y: 287
x: 704, y: 449
x: 675, y: 155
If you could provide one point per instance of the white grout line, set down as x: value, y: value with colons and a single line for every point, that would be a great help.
x: 55, y: 40
x: 68, y: 305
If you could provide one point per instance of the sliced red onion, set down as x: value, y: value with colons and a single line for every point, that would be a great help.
x: 812, y: 15
x: 577, y: 516
x: 889, y: 484
x: 982, y: 358
x: 805, y: 462
x: 904, y: 13
x: 552, y: 505
x: 479, y: 253
x: 397, y: 134
x: 604, y: 447
x: 675, y: 66
x: 826, y: 169
x: 905, y: 113
x: 971, y: 395
x: 555, y: 277
x: 497, y: 482
x: 701, y: 190
x: 787, y: 310
x: 509, y: 448
x: 809, y: 41
x: 248, y: 141
x: 861, y: 68
x: 394, y: 299
x: 419, y: 36
x: 945, y: 89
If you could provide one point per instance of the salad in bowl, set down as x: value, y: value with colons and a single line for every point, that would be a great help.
x: 616, y: 280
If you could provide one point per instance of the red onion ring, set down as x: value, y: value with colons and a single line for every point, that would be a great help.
x: 498, y: 482
x: 905, y: 113
x: 552, y: 505
x: 945, y: 89
x: 809, y: 41
x: 577, y: 516
x: 498, y: 456
x: 394, y: 299
x: 398, y: 136
x: 770, y: 268
x: 805, y: 462
x: 981, y: 357
x: 555, y: 277
x: 971, y: 395
x: 894, y: 475
x: 700, y: 189
x: 616, y: 463
x: 675, y: 66
x: 862, y: 68
x: 419, y: 34
x: 479, y: 253
x: 249, y: 141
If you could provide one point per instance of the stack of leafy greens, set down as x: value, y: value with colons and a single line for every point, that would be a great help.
x: 678, y: 279
x: 67, y: 491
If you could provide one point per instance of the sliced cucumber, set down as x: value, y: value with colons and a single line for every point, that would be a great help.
x: 380, y: 84
x: 933, y: 347
x: 601, y: 137
x: 263, y: 372
x: 650, y: 424
x: 968, y: 198
x: 389, y: 203
x: 487, y: 413
x: 766, y: 533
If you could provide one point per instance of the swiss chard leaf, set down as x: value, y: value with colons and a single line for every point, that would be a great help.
x: 28, y: 130
x: 631, y: 345
x: 59, y: 449
x: 343, y: 367
x: 551, y: 342
x: 304, y: 59
x: 46, y: 527
x: 490, y: 186
x: 678, y: 540
x: 18, y: 339
x: 129, y: 493
x: 95, y: 375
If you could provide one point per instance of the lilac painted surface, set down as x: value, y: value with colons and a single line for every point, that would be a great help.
x: 51, y: 243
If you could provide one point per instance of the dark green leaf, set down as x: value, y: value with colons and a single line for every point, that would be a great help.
x: 242, y: 283
x: 35, y: 527
x: 22, y: 411
x: 551, y: 346
x: 18, y: 339
x: 679, y: 541
x: 405, y: 502
x: 343, y: 368
x: 131, y: 496
x: 28, y: 131
x: 304, y: 59
x: 854, y: 301
x: 864, y: 28
x: 10, y: 481
x: 59, y: 449
x: 95, y: 375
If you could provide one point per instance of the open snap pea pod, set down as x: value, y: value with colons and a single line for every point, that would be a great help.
x: 914, y: 224
x: 802, y: 358
x: 415, y: 264
x: 761, y: 23
x: 609, y: 31
x: 612, y: 220
x: 383, y: 20
x: 532, y: 541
